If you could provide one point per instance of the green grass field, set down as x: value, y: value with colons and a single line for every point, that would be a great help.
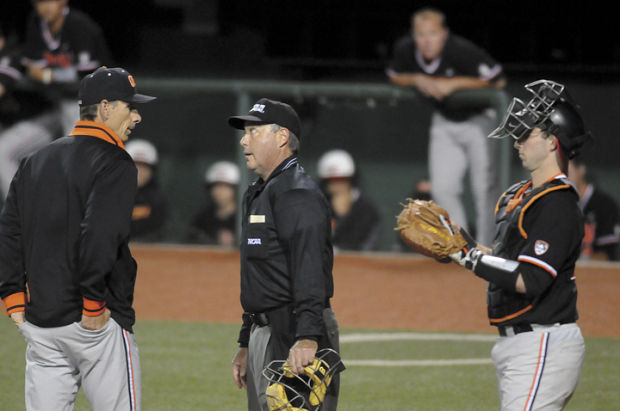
x: 186, y: 366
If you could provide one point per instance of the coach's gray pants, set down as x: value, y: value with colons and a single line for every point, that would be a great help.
x: 105, y: 363
x: 458, y: 147
x: 259, y: 358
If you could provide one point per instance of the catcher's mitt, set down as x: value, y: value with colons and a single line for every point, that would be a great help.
x: 425, y: 227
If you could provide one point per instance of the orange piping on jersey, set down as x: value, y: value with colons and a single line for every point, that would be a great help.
x: 518, y: 197
x: 511, y: 316
x: 15, y: 303
x: 536, y: 197
x: 93, y: 308
x: 93, y: 129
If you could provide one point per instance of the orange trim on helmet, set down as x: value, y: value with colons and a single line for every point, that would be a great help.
x: 15, y: 303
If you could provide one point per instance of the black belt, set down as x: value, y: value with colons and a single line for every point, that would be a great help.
x: 517, y: 328
x: 259, y: 319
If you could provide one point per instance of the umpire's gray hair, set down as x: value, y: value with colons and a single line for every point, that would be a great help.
x: 293, y: 140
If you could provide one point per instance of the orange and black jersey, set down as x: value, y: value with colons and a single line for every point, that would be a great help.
x: 77, y: 50
x: 286, y: 250
x: 542, y: 229
x: 64, y: 230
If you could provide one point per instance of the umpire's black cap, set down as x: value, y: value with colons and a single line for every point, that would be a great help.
x: 110, y: 84
x: 266, y: 111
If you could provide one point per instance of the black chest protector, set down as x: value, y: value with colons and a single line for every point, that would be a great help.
x: 506, y: 307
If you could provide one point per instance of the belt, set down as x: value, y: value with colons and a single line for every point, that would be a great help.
x: 259, y: 319
x: 510, y: 330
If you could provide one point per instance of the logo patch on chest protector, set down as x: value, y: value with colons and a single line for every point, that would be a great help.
x: 541, y: 247
x: 254, y: 241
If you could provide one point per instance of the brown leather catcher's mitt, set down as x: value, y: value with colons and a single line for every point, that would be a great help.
x: 425, y: 227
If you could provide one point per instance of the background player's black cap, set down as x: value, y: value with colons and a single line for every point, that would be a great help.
x: 110, y: 84
x: 267, y: 111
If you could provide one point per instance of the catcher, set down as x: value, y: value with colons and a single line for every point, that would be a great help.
x: 532, y: 291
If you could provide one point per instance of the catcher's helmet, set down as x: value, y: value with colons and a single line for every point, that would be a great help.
x: 291, y: 392
x: 551, y: 110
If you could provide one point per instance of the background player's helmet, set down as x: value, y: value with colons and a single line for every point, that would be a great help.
x: 551, y: 110
x: 223, y: 172
x: 142, y: 151
x: 336, y: 164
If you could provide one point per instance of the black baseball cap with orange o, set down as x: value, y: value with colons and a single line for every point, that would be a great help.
x: 110, y: 84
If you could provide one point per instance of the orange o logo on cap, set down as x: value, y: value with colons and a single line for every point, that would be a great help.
x: 133, y: 83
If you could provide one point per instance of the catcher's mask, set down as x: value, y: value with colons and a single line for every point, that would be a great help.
x: 551, y: 110
x: 291, y: 392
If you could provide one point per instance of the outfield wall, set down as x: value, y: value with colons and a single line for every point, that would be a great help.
x: 379, y: 291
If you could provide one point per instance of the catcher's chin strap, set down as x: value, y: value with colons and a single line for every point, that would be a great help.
x: 497, y: 270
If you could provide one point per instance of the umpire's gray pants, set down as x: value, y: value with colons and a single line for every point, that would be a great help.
x: 457, y: 147
x: 59, y: 360
x: 259, y: 358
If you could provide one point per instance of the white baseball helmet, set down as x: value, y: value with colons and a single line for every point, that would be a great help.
x: 142, y: 151
x: 336, y: 164
x: 223, y: 172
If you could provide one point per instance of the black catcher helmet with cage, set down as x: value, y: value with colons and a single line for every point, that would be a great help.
x: 550, y: 109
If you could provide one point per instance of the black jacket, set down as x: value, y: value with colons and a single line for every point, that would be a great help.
x: 286, y: 250
x: 64, y: 230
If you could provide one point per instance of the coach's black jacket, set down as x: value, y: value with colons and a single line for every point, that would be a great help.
x: 64, y: 230
x: 286, y: 250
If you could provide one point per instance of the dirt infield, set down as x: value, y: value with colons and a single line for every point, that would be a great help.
x: 378, y: 291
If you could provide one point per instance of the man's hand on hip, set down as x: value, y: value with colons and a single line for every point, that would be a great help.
x: 301, y: 354
x: 96, y: 323
x: 18, y: 318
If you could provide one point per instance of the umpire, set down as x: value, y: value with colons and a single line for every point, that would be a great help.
x: 66, y: 272
x: 286, y: 256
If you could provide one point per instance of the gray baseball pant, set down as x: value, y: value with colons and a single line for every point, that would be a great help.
x: 457, y: 147
x: 105, y: 363
x: 259, y: 357
x: 540, y: 369
x: 29, y: 135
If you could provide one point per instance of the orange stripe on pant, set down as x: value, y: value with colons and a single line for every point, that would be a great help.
x: 542, y: 353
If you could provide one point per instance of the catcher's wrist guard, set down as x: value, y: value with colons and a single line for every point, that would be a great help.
x: 497, y: 270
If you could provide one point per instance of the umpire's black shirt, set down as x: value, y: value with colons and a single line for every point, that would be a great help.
x: 286, y: 250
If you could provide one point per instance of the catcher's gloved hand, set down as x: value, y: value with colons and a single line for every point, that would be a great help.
x: 425, y: 227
